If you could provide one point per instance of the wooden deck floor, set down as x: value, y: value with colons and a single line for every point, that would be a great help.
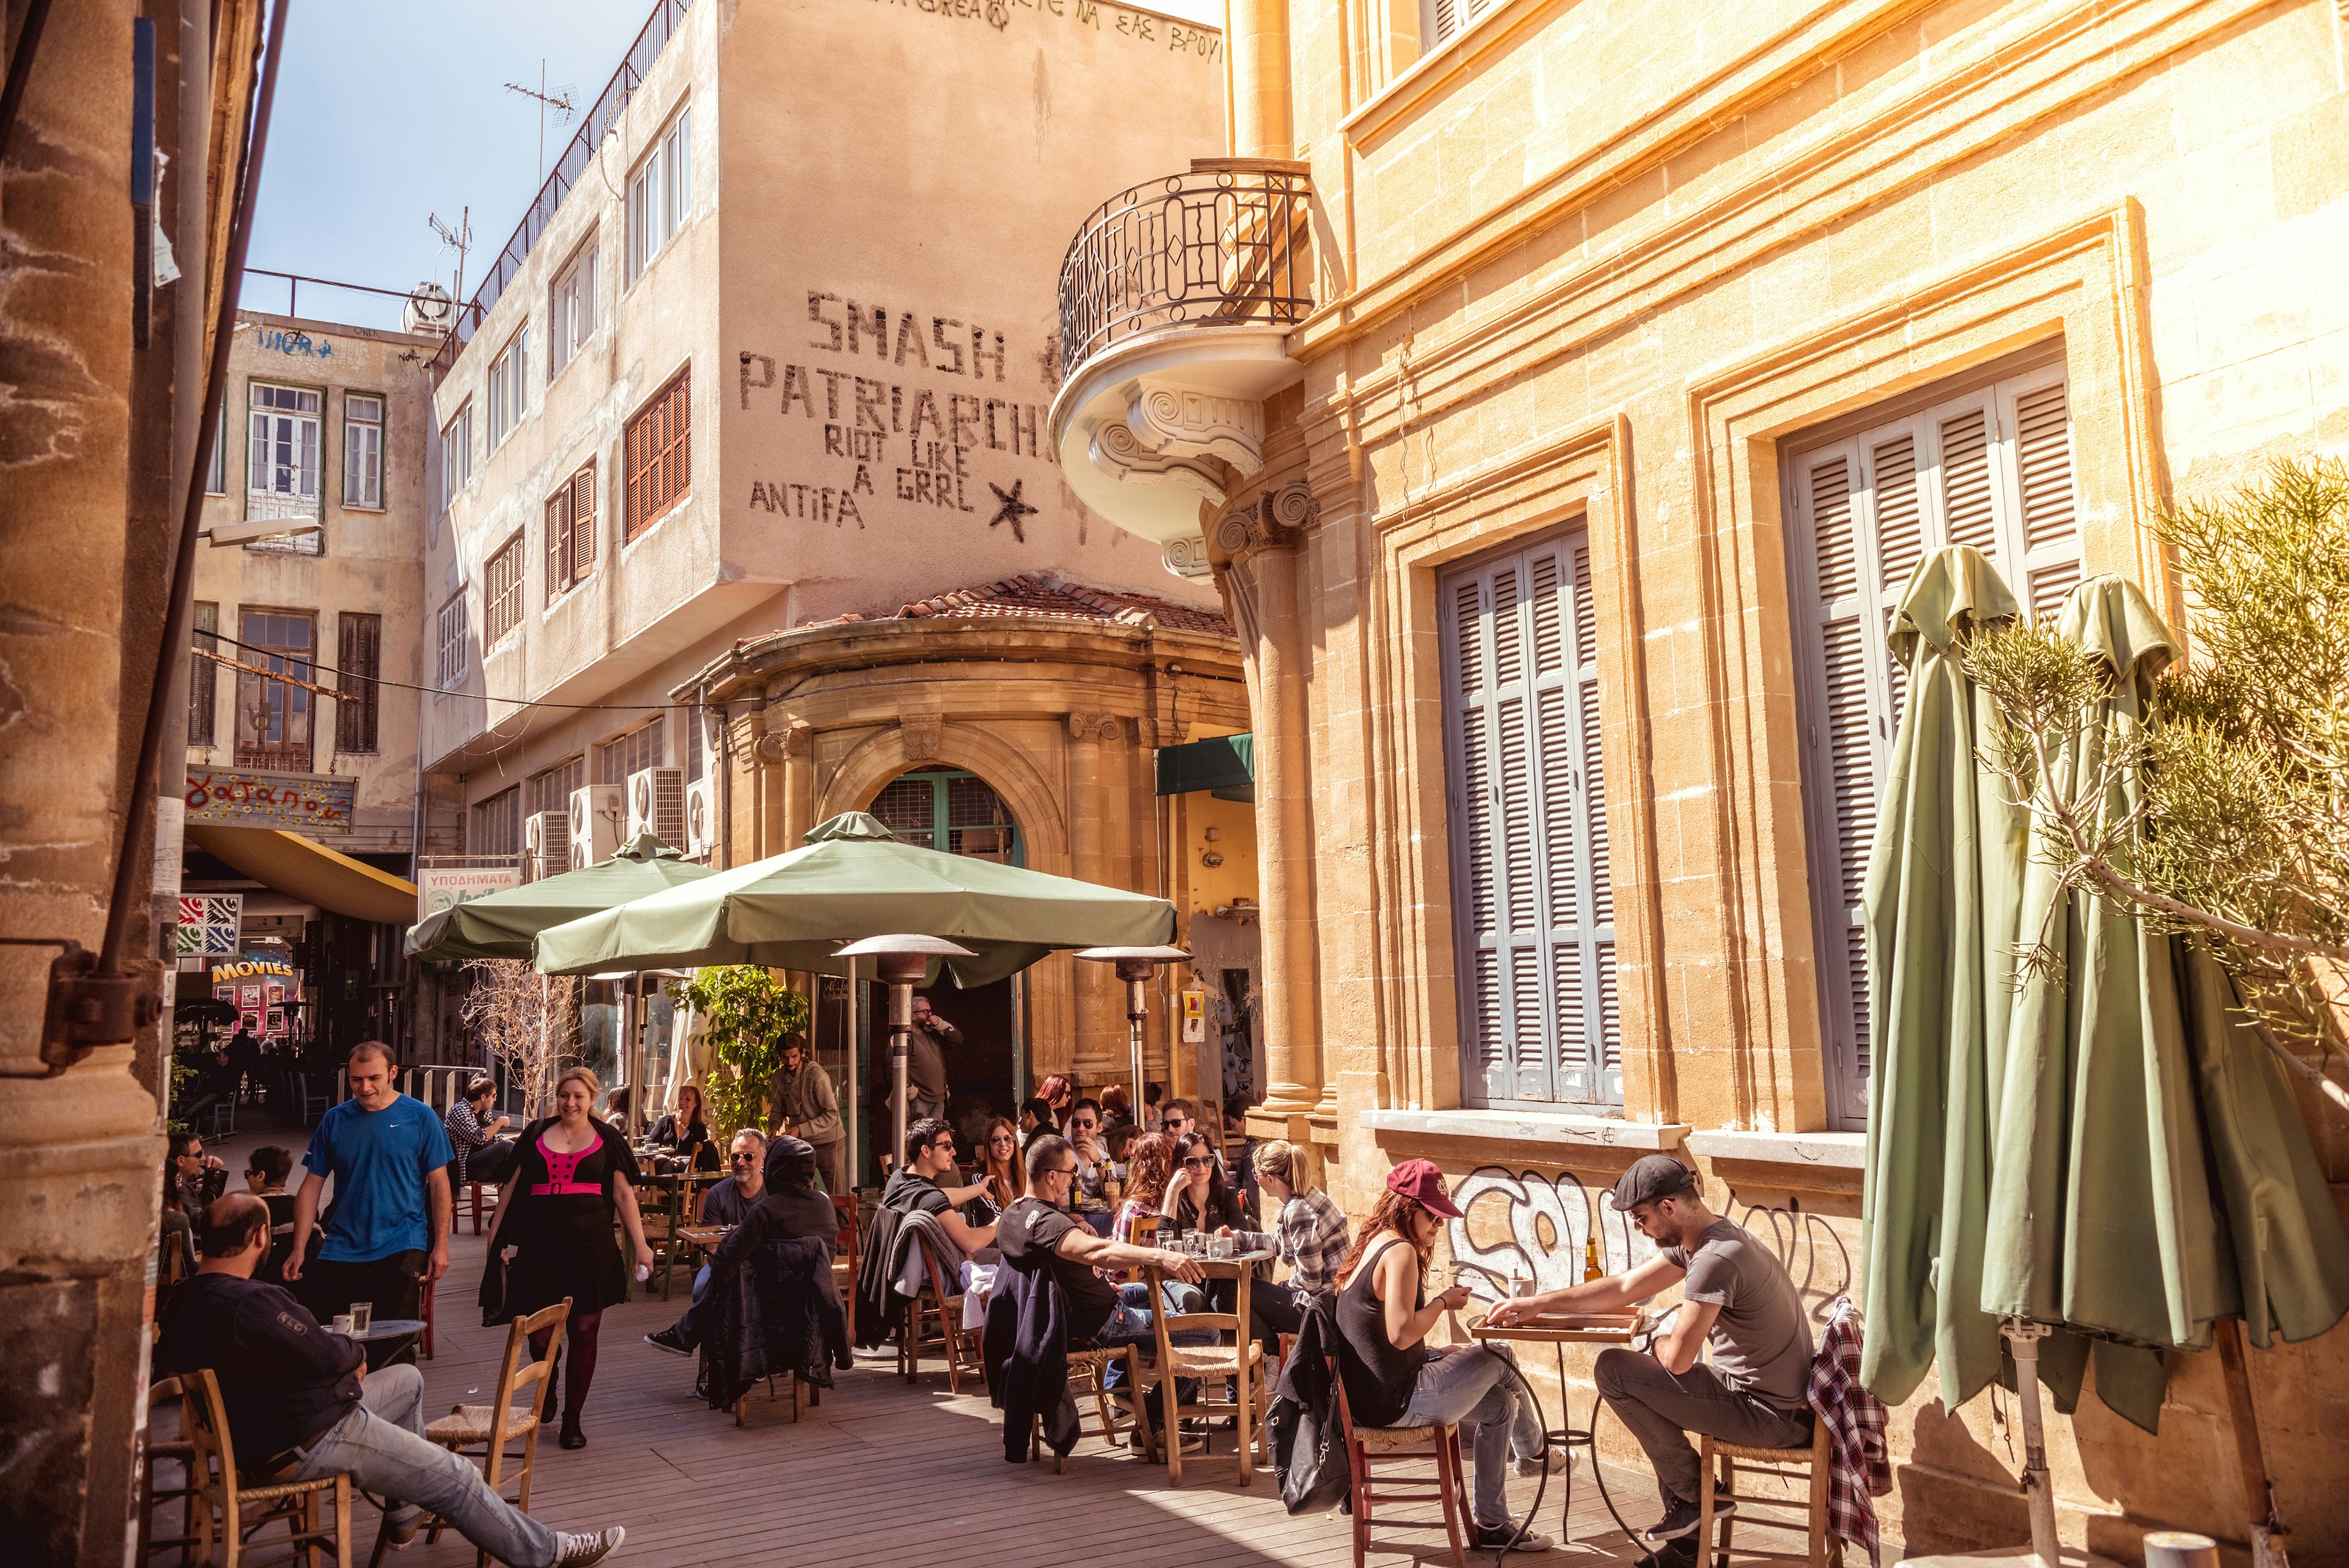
x: 889, y: 1475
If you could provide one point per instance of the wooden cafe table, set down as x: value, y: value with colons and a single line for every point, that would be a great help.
x: 1559, y: 1330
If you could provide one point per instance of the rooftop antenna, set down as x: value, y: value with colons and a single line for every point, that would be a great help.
x: 459, y: 240
x: 559, y: 101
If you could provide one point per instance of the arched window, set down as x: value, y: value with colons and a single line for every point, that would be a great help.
x: 953, y: 810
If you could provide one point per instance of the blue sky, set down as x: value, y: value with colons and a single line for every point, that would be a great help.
x: 388, y: 113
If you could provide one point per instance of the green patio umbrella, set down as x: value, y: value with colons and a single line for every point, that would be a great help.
x: 1944, y: 885
x: 851, y: 879
x: 2101, y: 1163
x: 505, y: 925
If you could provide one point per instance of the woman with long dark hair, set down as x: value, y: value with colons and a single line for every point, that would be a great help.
x: 1000, y: 1171
x: 686, y: 1129
x: 574, y: 1174
x: 1393, y: 1378
x: 1197, y: 1197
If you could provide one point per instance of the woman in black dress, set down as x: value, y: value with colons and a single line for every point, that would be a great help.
x: 572, y: 1176
x: 686, y: 1130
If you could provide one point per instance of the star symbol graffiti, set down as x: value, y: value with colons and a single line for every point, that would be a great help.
x: 1011, y: 510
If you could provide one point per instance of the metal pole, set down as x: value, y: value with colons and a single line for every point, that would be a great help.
x: 1134, y: 1008
x: 850, y: 1069
x: 2023, y: 1341
x: 901, y: 1027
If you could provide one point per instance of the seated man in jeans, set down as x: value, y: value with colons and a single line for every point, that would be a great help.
x: 1755, y: 1393
x: 722, y: 1203
x: 1098, y: 1311
x: 301, y: 1403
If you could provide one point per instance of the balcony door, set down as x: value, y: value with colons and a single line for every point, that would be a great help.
x: 274, y: 718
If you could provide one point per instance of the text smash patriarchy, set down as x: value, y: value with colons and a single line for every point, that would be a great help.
x: 915, y: 438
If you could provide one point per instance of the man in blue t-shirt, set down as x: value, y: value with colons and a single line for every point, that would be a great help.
x: 388, y: 1155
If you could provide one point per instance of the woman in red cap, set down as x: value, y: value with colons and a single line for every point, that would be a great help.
x: 1392, y: 1377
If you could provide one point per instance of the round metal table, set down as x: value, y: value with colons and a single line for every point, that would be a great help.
x: 1559, y: 1331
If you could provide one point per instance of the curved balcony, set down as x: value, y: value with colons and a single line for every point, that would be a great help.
x: 1176, y: 299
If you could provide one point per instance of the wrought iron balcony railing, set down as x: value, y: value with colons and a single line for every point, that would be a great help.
x: 1226, y: 244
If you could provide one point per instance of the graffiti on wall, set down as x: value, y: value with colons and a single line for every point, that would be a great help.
x: 881, y: 391
x: 1531, y: 1225
x: 1141, y: 27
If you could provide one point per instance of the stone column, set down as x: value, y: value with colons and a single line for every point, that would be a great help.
x: 1260, y: 580
x: 1100, y: 1054
x: 80, y: 1156
x: 793, y: 741
x: 1259, y: 85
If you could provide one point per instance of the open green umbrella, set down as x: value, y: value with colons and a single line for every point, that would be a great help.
x: 853, y: 879
x: 505, y: 925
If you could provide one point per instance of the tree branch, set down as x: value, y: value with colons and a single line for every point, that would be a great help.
x: 2324, y: 1086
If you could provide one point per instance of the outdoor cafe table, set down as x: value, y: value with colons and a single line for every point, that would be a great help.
x: 673, y: 1192
x: 1559, y: 1330
x: 383, y: 1338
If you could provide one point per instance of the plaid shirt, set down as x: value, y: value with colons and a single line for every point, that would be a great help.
x: 1854, y: 1419
x: 1310, y: 1237
x: 465, y: 1134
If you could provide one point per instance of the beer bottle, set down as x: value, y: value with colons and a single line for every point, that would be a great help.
x: 1590, y: 1270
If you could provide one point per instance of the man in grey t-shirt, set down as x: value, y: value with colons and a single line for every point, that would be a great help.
x: 1737, y: 1297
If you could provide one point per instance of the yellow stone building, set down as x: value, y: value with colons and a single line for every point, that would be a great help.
x: 1559, y: 390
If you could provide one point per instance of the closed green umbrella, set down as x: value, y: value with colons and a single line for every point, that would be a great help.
x: 505, y: 925
x: 853, y: 879
x: 1944, y: 883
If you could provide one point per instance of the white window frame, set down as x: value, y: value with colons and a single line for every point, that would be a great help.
x: 453, y: 657
x: 660, y: 193
x: 363, y: 451
x: 1979, y: 462
x: 509, y: 386
x: 1533, y: 908
x: 216, y: 477
x: 571, y: 309
x: 456, y: 465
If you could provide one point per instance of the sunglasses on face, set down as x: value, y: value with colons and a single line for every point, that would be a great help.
x: 742, y: 1160
x: 942, y: 1143
x: 999, y: 1137
x: 1065, y: 1170
x: 1199, y: 1162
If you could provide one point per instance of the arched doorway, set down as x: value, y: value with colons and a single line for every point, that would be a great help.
x: 956, y: 810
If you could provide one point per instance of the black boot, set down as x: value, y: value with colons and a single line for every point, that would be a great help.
x: 549, y: 1403
x: 571, y: 1437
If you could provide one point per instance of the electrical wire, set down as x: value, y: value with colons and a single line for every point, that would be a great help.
x: 318, y: 668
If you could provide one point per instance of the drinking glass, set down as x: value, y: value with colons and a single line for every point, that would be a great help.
x: 362, y: 1316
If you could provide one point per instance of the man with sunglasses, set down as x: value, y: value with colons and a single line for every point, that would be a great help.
x: 1085, y: 1136
x: 722, y: 1203
x: 929, y: 1155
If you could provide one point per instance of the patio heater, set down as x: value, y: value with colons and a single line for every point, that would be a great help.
x: 1135, y: 965
x: 899, y: 962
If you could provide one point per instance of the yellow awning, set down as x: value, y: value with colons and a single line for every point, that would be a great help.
x: 306, y: 870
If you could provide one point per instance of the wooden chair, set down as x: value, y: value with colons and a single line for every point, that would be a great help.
x: 473, y: 1190
x: 844, y: 1251
x: 161, y: 1450
x: 1120, y: 1413
x: 486, y: 1431
x: 1807, y: 1466
x: 1241, y: 1362
x: 231, y: 1513
x: 1366, y: 1446
x: 952, y: 1340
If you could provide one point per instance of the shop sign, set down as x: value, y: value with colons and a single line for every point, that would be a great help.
x: 208, y: 926
x: 304, y: 802
x: 440, y: 887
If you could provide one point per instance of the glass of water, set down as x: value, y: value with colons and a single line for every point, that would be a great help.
x: 362, y: 1316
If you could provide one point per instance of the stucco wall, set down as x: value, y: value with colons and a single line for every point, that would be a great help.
x: 1602, y: 260
x: 369, y: 560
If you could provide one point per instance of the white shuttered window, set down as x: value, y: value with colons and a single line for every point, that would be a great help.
x: 1533, y: 906
x: 1990, y: 467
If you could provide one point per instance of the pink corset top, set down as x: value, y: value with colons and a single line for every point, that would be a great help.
x: 562, y: 1173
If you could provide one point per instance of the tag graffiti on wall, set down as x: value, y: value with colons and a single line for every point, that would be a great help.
x: 1141, y: 27
x: 906, y: 432
x: 297, y: 344
x: 1533, y: 1226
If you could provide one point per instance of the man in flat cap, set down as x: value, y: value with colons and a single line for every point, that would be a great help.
x: 1737, y: 1297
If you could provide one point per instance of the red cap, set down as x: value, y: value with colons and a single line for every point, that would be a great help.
x: 1421, y: 1181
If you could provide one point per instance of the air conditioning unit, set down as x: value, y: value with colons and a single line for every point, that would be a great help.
x: 701, y: 818
x: 657, y: 804
x: 596, y: 813
x: 547, y: 839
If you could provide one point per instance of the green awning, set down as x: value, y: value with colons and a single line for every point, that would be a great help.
x: 1224, y: 766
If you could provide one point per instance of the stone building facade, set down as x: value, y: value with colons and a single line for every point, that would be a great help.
x: 325, y: 426
x: 1573, y: 387
x: 743, y: 372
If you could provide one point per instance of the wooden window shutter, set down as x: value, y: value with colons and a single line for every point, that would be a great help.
x: 558, y: 544
x: 582, y: 522
x: 1989, y: 467
x: 1534, y: 910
